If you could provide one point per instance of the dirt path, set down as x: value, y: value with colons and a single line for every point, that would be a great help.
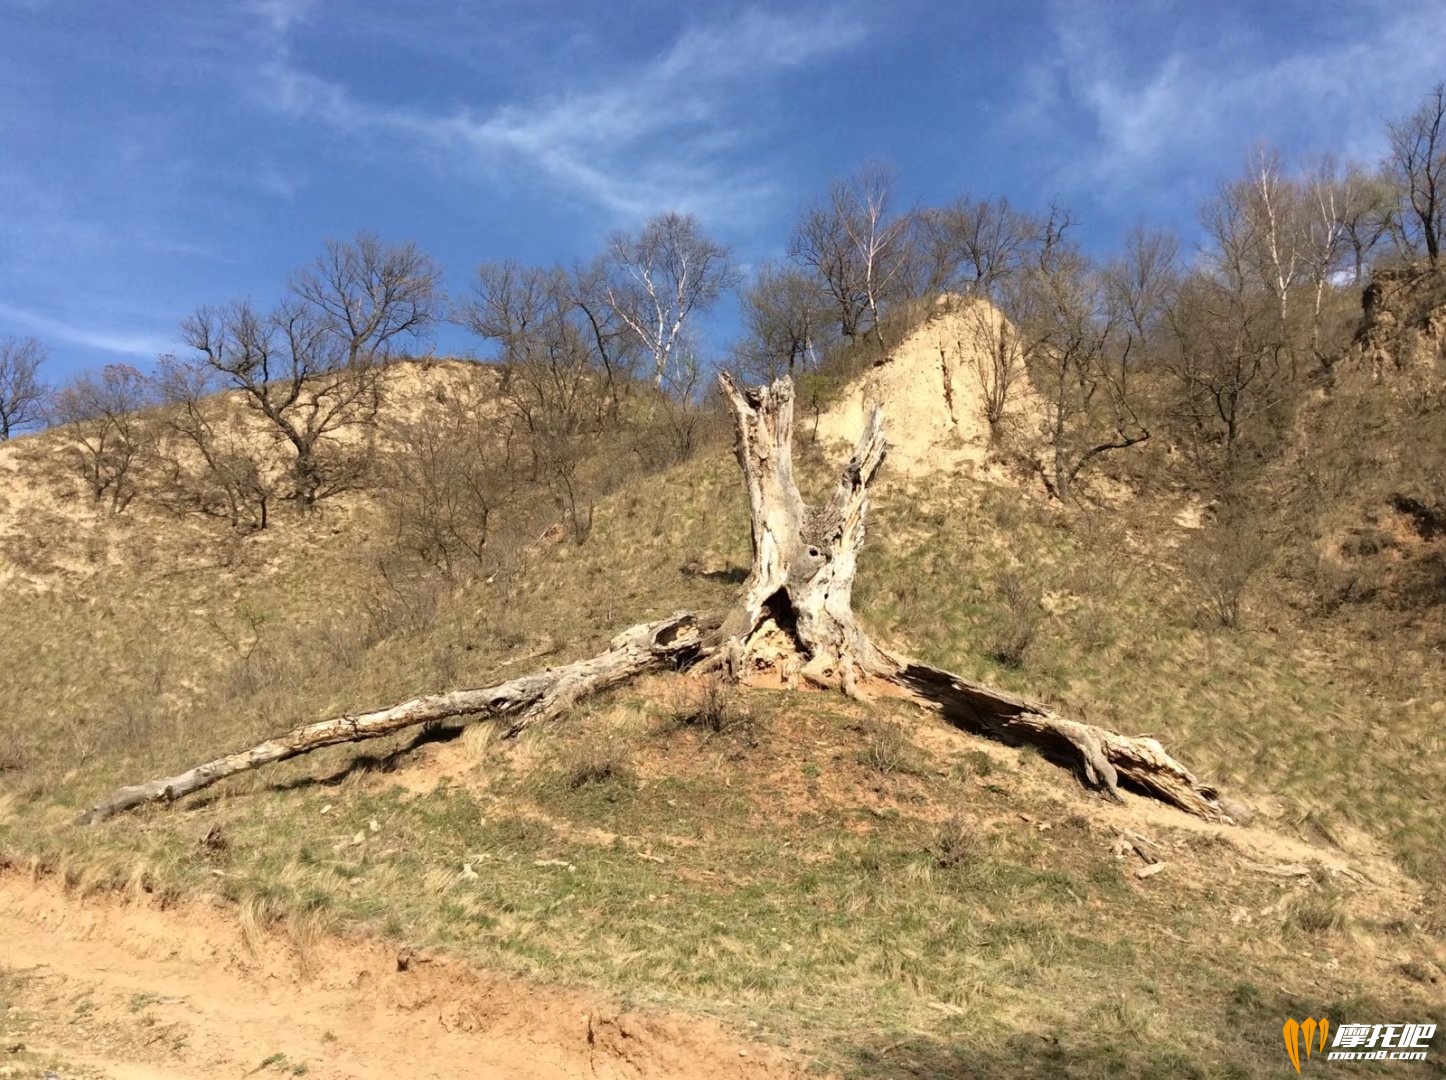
x: 101, y: 988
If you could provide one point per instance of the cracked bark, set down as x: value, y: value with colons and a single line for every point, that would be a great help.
x: 793, y: 623
x: 796, y: 617
x: 671, y: 642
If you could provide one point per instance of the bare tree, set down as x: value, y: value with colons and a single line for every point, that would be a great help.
x: 613, y: 344
x: 451, y: 474
x: 661, y: 276
x: 822, y: 244
x: 1076, y: 345
x: 679, y: 420
x: 1341, y: 225
x: 973, y: 245
x: 864, y: 203
x: 858, y: 248
x: 992, y: 347
x: 1229, y: 362
x: 1142, y: 284
x: 293, y: 371
x: 1368, y: 213
x: 22, y: 394
x: 311, y: 366
x: 109, y: 430
x: 368, y: 294
x: 784, y: 322
x: 1418, y: 159
x: 215, y: 463
x: 552, y: 392
x: 1273, y: 205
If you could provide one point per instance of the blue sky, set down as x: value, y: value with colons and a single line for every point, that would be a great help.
x: 155, y: 155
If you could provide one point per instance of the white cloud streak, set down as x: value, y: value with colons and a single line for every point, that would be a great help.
x: 1212, y: 96
x: 280, y: 15
x: 660, y: 137
x: 119, y: 342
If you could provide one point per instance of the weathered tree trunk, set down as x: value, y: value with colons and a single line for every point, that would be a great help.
x: 672, y: 642
x: 796, y: 618
x: 800, y: 591
x: 794, y: 621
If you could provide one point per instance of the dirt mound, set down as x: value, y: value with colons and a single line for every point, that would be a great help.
x: 105, y: 988
x: 1403, y: 320
x: 52, y: 529
x: 935, y: 388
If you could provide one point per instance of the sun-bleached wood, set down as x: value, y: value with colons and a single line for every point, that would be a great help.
x: 670, y: 642
x: 793, y: 624
x: 795, y: 618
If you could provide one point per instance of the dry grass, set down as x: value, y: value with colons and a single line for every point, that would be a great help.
x: 842, y: 882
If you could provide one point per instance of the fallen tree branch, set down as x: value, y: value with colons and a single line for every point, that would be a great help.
x: 672, y: 642
x: 794, y: 621
x: 1106, y: 759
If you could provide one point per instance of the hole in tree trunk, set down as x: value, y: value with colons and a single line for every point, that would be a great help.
x: 779, y: 608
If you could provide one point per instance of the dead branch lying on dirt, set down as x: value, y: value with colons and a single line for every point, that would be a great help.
x: 793, y: 622
x: 671, y: 642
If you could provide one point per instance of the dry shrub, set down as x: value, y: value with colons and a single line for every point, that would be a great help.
x: 708, y: 705
x: 454, y: 468
x: 954, y: 845
x: 1222, y: 562
x: 888, y: 752
x: 406, y: 605
x: 1022, y: 616
x: 1316, y: 913
x: 597, y: 766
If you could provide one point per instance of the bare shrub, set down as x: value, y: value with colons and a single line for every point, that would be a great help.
x: 1316, y: 913
x: 888, y: 751
x: 709, y: 705
x: 1022, y: 617
x: 598, y: 766
x: 109, y: 433
x: 211, y: 461
x: 680, y: 420
x: 993, y: 348
x: 22, y: 394
x: 1224, y: 559
x: 557, y: 394
x: 443, y: 486
x: 955, y: 845
x: 406, y: 605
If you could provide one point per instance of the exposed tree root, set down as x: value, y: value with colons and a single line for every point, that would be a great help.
x: 799, y: 595
x: 1106, y: 759
x: 794, y: 619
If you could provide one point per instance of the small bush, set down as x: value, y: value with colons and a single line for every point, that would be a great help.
x: 954, y: 845
x: 1315, y: 914
x: 1225, y: 559
x: 603, y: 766
x: 709, y: 706
x: 978, y: 763
x: 1022, y: 617
x: 888, y: 752
x: 409, y: 604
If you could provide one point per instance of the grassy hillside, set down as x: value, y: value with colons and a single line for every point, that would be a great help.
x: 882, y: 893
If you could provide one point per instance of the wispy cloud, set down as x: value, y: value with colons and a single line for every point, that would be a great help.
x: 1146, y: 114
x: 280, y: 15
x: 665, y: 135
x: 103, y: 339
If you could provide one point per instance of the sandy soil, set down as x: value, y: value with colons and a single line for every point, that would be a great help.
x: 104, y: 988
x: 934, y: 400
